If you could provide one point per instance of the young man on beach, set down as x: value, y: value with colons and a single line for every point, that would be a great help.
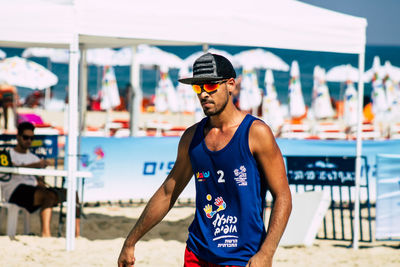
x: 235, y: 160
x: 28, y: 191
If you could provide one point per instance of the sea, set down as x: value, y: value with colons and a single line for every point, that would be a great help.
x: 149, y: 77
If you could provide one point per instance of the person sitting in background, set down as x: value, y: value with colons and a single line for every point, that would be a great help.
x: 28, y: 191
x: 34, y: 100
x: 8, y: 99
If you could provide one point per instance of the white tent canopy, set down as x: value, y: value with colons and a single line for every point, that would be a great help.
x: 82, y: 24
x: 281, y: 24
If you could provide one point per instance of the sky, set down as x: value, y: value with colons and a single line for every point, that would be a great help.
x: 382, y: 16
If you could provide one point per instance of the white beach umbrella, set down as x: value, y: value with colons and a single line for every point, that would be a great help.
x: 342, y: 73
x: 250, y: 92
x: 376, y: 69
x: 56, y: 55
x: 21, y: 72
x: 150, y: 55
x: 166, y: 98
x: 379, y: 101
x: 297, y: 107
x: 123, y: 57
x: 271, y: 110
x: 321, y: 100
x: 109, y: 95
x: 109, y: 89
x: 392, y: 89
x: 190, y: 59
x: 392, y: 71
x: 147, y: 56
x: 260, y: 59
x: 100, y: 56
x: 185, y: 94
x: 2, y: 54
x: 350, y: 105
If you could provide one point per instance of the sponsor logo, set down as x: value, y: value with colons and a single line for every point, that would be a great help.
x: 225, y: 229
x: 240, y: 176
x: 202, y: 176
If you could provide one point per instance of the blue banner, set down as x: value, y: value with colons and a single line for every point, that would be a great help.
x: 134, y: 168
x: 42, y: 145
x: 331, y: 170
x: 127, y: 168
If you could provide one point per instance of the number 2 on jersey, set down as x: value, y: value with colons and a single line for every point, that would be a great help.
x: 221, y: 176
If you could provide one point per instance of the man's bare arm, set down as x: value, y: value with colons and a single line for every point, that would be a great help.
x: 270, y: 161
x: 42, y: 163
x: 162, y: 200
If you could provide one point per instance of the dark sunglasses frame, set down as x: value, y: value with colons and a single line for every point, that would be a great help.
x: 28, y: 137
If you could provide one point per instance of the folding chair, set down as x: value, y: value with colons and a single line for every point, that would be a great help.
x: 12, y: 209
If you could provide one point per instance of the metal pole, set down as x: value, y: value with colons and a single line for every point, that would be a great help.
x: 356, y: 221
x: 72, y: 141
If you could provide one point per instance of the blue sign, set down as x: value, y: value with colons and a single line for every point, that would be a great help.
x: 127, y: 168
x: 42, y: 145
x: 321, y: 170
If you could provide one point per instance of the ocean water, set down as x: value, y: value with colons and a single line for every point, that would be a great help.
x: 149, y: 77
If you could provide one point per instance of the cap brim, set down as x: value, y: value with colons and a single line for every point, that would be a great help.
x: 200, y: 80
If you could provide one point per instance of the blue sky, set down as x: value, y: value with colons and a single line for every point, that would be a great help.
x: 383, y: 17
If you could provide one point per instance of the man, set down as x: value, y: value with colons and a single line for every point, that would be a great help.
x: 28, y: 191
x: 235, y: 159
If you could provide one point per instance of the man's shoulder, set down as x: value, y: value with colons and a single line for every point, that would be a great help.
x: 260, y: 134
x: 28, y: 154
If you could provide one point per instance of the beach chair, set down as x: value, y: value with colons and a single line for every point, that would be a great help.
x: 13, y: 210
x: 330, y: 131
x: 395, y: 131
x: 295, y: 130
x: 12, y: 218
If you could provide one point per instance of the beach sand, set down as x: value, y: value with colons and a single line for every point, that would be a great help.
x: 105, y: 227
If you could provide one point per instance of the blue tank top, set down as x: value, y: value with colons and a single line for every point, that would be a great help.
x: 228, y: 227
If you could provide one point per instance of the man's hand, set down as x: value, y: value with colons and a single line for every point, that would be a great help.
x: 260, y: 260
x: 126, y: 256
x: 43, y: 163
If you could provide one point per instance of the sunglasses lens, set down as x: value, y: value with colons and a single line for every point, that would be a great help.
x: 210, y: 87
x: 26, y: 137
x: 197, y: 88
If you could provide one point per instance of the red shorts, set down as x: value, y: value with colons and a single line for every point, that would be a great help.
x: 192, y: 260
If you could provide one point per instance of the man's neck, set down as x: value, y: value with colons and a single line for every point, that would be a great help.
x: 230, y: 116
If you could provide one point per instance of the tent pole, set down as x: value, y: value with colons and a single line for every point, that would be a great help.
x: 356, y: 220
x: 72, y: 141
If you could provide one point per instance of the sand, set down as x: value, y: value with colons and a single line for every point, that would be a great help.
x: 104, y: 230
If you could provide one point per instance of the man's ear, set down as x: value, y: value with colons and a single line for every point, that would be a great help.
x: 231, y: 83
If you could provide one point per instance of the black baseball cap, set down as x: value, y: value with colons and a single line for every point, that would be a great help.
x: 210, y: 68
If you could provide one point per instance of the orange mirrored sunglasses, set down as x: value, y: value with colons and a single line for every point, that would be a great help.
x: 208, y: 87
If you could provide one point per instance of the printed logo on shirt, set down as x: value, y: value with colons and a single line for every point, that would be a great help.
x: 241, y: 176
x: 225, y: 228
x: 208, y: 209
x: 202, y: 176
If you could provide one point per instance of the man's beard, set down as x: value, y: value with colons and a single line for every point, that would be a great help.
x: 218, y: 111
